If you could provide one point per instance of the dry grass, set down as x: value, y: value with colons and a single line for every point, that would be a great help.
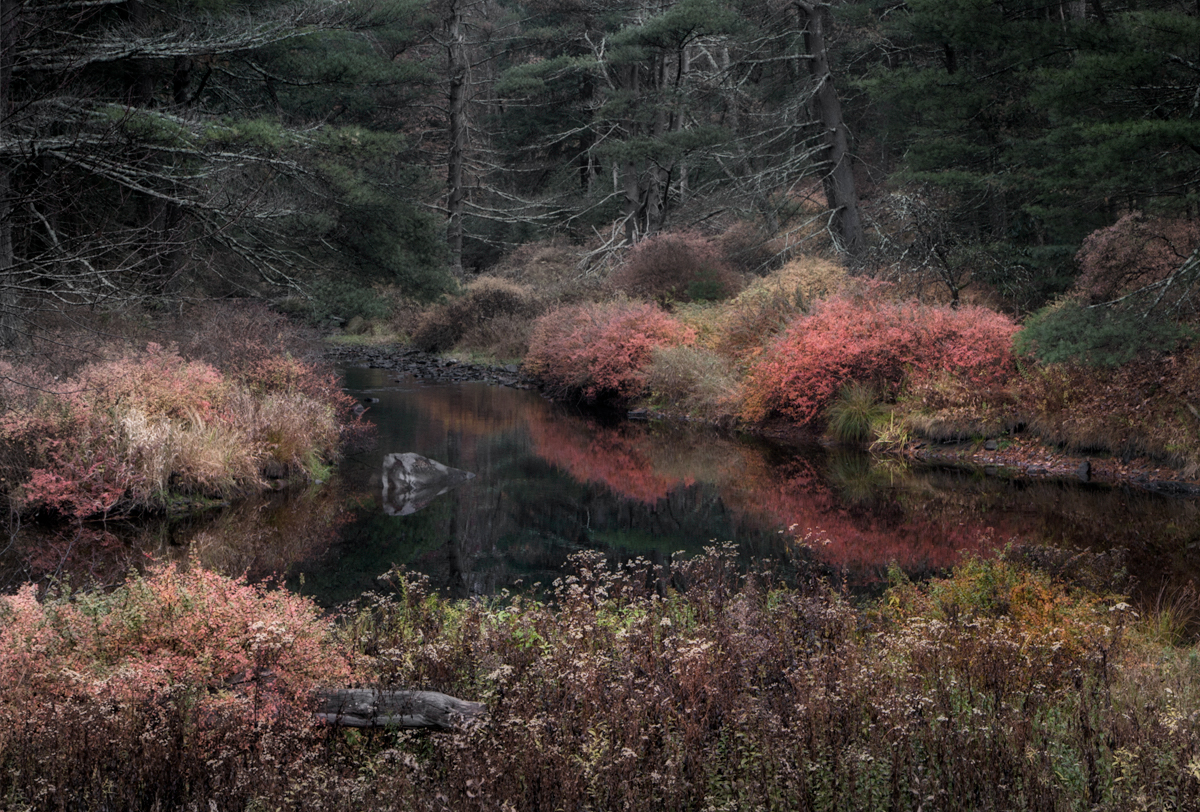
x: 945, y: 408
x: 688, y: 686
x: 694, y: 382
x: 1148, y: 407
x: 187, y: 455
x: 767, y: 304
x: 554, y: 268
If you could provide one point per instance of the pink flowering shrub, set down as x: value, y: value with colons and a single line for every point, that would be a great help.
x: 600, y: 351
x: 869, y: 339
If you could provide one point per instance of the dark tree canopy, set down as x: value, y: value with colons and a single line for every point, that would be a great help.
x: 168, y: 148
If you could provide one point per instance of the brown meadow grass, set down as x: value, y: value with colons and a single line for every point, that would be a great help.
x: 687, y: 686
x: 130, y: 426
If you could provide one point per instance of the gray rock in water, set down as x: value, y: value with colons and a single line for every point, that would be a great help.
x: 1085, y: 471
x: 410, y: 482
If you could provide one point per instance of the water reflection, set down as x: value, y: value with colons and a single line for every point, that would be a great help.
x: 259, y: 536
x: 549, y: 481
x: 410, y: 482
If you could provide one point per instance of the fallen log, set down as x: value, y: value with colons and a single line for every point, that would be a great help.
x: 370, y: 707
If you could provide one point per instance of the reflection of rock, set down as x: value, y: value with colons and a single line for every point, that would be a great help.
x: 410, y: 482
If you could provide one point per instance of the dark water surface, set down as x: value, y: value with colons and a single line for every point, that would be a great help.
x: 550, y: 481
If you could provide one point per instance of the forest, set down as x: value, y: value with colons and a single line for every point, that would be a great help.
x: 318, y: 151
x: 893, y: 225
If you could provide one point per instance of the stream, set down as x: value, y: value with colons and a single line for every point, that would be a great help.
x: 551, y: 480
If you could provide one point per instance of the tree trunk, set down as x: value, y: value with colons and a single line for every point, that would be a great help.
x: 839, y: 179
x: 8, y: 288
x: 633, y: 201
x: 365, y: 707
x: 455, y: 196
x: 630, y: 180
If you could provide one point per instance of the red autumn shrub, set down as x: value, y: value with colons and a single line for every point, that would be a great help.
x: 126, y: 431
x: 682, y: 267
x: 866, y: 338
x: 157, y: 382
x: 599, y: 351
x: 1135, y: 251
x: 173, y: 629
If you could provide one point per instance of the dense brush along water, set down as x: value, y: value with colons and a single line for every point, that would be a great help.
x: 550, y: 480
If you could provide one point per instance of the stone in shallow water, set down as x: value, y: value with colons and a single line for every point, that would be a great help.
x: 410, y: 482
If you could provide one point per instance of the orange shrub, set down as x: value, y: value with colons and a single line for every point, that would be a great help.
x: 863, y: 337
x: 599, y: 351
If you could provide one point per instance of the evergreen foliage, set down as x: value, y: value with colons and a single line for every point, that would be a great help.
x: 1097, y: 336
x: 1041, y: 128
x: 173, y: 147
x: 160, y: 148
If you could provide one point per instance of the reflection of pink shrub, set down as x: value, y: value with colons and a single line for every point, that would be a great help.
x: 863, y: 544
x: 600, y: 351
x: 609, y: 457
x: 869, y: 339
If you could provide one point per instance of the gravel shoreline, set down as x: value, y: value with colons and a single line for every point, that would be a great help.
x: 423, y: 366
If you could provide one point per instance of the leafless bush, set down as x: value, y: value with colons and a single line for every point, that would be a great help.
x: 676, y: 267
x: 468, y: 318
x: 555, y: 269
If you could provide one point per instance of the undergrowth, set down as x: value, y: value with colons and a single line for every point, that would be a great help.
x: 691, y: 685
x: 130, y: 427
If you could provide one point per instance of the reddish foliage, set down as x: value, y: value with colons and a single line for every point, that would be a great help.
x: 600, y: 350
x: 610, y: 457
x: 263, y: 351
x: 157, y: 382
x: 678, y: 267
x: 869, y: 339
x: 82, y: 488
x: 83, y: 553
x: 170, y: 684
x: 862, y: 544
x: 172, y: 628
x: 1135, y: 251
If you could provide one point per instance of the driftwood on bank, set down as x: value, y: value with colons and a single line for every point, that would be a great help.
x: 368, y: 707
